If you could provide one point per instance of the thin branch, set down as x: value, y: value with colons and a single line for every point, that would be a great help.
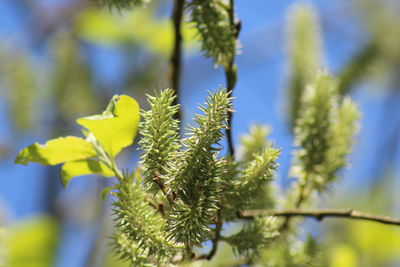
x: 176, y: 56
x: 156, y: 179
x: 354, y: 70
x: 303, y: 195
x: 231, y: 77
x: 216, y: 239
x: 304, y: 192
x: 321, y: 214
x: 231, y: 74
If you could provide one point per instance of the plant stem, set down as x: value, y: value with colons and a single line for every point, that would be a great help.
x: 161, y: 185
x: 217, y: 237
x: 117, y: 172
x: 321, y: 214
x: 231, y: 75
x: 303, y: 194
x: 354, y: 70
x: 230, y: 115
x: 176, y: 56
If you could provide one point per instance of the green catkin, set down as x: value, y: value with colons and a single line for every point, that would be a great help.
x: 304, y: 54
x: 211, y: 19
x: 195, y: 176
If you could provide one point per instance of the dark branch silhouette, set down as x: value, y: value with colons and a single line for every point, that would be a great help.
x: 176, y: 56
x: 321, y: 214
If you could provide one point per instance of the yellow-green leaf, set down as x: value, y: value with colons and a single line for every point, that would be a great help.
x: 116, y: 128
x: 83, y: 167
x: 154, y: 34
x: 56, y: 151
x: 101, y: 27
x: 32, y: 243
x: 343, y: 255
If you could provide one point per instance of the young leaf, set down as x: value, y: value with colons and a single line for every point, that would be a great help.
x: 109, y: 132
x: 116, y: 127
x: 107, y: 190
x: 56, y: 151
x: 83, y: 167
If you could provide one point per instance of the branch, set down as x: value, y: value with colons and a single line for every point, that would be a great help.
x: 231, y: 74
x: 357, y: 67
x: 176, y: 56
x: 156, y: 179
x: 321, y: 214
x: 301, y: 198
x: 216, y: 239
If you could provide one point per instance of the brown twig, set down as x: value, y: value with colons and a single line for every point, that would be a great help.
x: 157, y: 180
x: 231, y: 77
x: 321, y: 214
x: 299, y: 202
x: 231, y: 74
x: 216, y: 239
x: 176, y: 56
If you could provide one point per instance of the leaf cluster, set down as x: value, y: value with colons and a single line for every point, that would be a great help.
x: 106, y: 135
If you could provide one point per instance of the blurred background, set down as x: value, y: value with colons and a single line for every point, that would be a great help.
x: 63, y: 59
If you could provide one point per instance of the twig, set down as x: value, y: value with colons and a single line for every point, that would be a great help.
x: 231, y: 74
x: 357, y: 67
x: 157, y: 180
x: 231, y: 77
x: 299, y: 202
x: 152, y: 203
x: 321, y: 214
x: 302, y: 194
x: 216, y: 239
x: 176, y: 56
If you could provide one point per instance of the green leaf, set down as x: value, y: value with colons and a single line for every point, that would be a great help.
x: 100, y: 26
x: 155, y: 34
x: 32, y: 243
x: 116, y: 127
x: 83, y: 167
x: 106, y: 191
x: 56, y: 151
